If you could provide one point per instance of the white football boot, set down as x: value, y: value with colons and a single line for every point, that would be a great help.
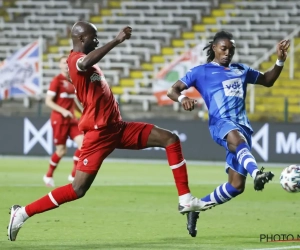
x: 17, y: 218
x: 70, y: 178
x: 194, y: 204
x: 49, y: 181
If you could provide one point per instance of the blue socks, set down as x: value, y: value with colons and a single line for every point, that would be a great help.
x: 222, y: 194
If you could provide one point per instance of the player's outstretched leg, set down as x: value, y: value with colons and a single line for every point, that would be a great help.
x: 261, y: 179
x: 57, y: 197
x: 170, y: 141
x: 247, y: 160
x: 222, y: 194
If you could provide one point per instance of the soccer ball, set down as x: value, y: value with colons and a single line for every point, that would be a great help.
x: 290, y: 179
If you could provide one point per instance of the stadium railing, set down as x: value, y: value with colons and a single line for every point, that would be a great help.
x: 253, y: 39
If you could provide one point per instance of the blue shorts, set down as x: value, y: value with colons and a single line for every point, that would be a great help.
x: 219, y: 131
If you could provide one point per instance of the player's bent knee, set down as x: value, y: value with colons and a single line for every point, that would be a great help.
x: 240, y: 186
x: 171, y: 138
x: 80, y: 191
x: 161, y: 138
x: 61, y: 152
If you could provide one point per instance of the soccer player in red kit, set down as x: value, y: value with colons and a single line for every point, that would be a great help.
x: 60, y: 98
x: 104, y: 130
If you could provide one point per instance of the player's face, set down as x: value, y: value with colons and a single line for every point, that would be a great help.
x: 224, y: 50
x: 91, y: 41
x: 63, y: 65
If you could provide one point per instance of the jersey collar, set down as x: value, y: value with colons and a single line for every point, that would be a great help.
x: 214, y: 63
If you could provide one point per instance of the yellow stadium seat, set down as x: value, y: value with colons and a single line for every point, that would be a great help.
x: 209, y: 20
x: 188, y: 35
x: 64, y: 42
x: 117, y: 90
x: 218, y: 13
x: 147, y: 66
x: 105, y: 12
x: 127, y: 82
x: 199, y: 27
x: 136, y: 74
x: 167, y: 51
x: 227, y: 6
x: 178, y: 43
x: 114, y: 4
x: 157, y: 59
x: 53, y: 49
x: 96, y: 19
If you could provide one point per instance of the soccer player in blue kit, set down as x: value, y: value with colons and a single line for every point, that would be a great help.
x: 223, y: 86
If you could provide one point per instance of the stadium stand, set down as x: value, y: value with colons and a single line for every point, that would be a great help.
x: 163, y: 29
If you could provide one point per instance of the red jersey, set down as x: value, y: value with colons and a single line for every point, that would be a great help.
x: 64, y: 94
x: 94, y: 93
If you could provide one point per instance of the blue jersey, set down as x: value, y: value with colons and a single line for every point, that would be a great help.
x: 223, y: 90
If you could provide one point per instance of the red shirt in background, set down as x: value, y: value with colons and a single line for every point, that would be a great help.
x: 64, y: 94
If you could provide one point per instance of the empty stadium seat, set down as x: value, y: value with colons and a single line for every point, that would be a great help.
x: 163, y: 29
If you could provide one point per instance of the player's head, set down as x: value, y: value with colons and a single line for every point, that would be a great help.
x: 221, y: 49
x: 63, y: 64
x: 84, y: 37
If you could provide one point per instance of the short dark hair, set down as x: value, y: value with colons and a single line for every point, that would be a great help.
x: 219, y: 35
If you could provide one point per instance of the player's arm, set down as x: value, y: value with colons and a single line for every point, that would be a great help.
x: 95, y: 56
x: 268, y: 78
x: 49, y: 101
x: 78, y: 105
x: 174, y: 93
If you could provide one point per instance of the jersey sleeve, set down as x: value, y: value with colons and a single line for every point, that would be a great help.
x: 189, y: 79
x: 73, y: 63
x: 252, y: 75
x: 53, y: 87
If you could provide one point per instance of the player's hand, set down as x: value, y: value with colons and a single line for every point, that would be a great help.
x: 67, y: 114
x: 282, y: 48
x: 188, y: 104
x: 124, y: 34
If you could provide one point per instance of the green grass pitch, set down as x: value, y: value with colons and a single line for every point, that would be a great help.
x: 134, y: 206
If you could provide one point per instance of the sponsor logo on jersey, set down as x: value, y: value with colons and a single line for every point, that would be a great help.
x: 233, y: 87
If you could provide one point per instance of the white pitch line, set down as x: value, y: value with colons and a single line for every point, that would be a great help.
x: 275, y: 248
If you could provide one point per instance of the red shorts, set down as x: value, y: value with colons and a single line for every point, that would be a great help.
x: 61, y: 132
x: 98, y: 144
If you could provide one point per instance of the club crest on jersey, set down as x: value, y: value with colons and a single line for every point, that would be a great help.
x: 233, y: 87
x: 66, y: 84
x: 95, y: 78
x: 85, y: 162
x: 237, y: 71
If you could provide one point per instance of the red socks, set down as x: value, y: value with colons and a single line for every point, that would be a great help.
x: 53, y: 163
x: 75, y: 159
x: 178, y: 166
x: 52, y: 200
